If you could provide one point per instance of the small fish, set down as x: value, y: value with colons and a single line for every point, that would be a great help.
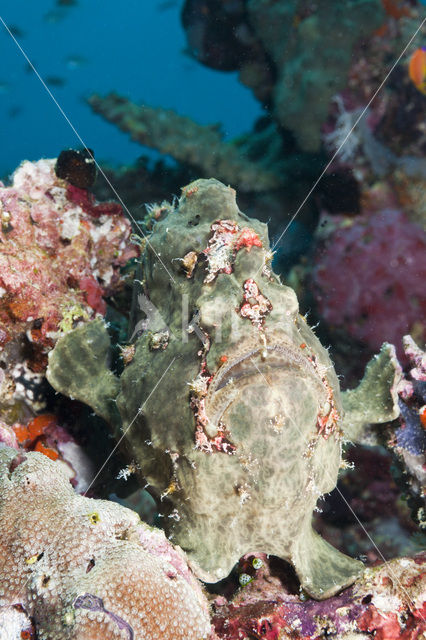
x: 75, y: 61
x: 66, y: 3
x: 28, y: 68
x: 14, y: 111
x: 55, y: 81
x: 55, y: 16
x: 190, y: 54
x: 417, y: 69
x: 16, y: 31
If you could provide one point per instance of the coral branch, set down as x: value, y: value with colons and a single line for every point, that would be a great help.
x: 199, y: 146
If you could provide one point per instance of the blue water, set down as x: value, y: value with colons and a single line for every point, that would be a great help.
x: 97, y: 47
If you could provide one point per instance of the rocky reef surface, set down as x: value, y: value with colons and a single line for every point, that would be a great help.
x: 386, y: 602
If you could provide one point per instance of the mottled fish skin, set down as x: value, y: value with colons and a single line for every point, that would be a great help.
x: 261, y: 363
x: 235, y: 421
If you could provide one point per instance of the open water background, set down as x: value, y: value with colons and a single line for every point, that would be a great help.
x: 136, y: 48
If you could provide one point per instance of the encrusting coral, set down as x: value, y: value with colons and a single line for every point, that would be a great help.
x: 408, y: 439
x: 230, y: 404
x: 369, y: 275
x: 85, y: 569
x: 294, y: 55
x: 387, y: 601
x: 61, y: 255
x: 310, y: 67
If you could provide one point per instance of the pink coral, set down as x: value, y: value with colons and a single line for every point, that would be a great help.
x: 369, y: 277
x: 60, y: 254
x: 86, y: 569
x: 7, y: 436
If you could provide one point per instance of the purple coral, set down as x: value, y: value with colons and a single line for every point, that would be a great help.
x: 93, y: 603
x: 408, y: 439
x: 411, y: 435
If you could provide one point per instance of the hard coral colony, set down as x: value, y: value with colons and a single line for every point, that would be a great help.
x: 84, y: 569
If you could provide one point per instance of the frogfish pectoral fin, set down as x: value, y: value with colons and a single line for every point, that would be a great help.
x: 322, y: 570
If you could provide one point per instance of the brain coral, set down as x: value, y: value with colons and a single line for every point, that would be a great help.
x: 86, y: 569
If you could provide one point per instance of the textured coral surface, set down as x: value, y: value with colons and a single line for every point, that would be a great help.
x: 388, y: 602
x: 198, y: 146
x: 86, y: 569
x: 301, y: 40
x: 61, y: 253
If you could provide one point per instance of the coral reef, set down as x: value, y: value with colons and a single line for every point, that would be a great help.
x: 45, y: 435
x: 7, y: 436
x: 245, y: 380
x: 387, y: 601
x: 223, y: 403
x: 218, y: 35
x: 382, y: 143
x: 299, y: 58
x: 85, y: 569
x: 310, y: 67
x: 58, y: 261
x: 76, y: 558
x: 407, y: 437
x: 369, y: 276
x: 190, y: 143
x: 61, y: 254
